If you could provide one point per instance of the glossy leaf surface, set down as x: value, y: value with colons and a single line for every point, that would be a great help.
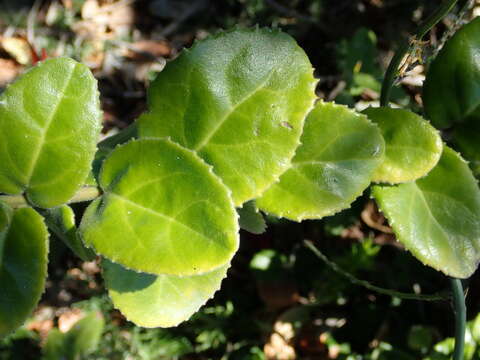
x: 49, y: 125
x: 163, y: 211
x: 61, y: 220
x: 239, y: 99
x: 23, y: 268
x: 412, y: 146
x: 451, y: 93
x: 340, y: 151
x: 437, y: 217
x: 162, y: 300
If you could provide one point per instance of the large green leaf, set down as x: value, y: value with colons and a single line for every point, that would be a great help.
x: 239, y: 100
x: 465, y: 137
x: 49, y: 125
x: 159, y: 300
x: 451, y: 92
x: 437, y: 217
x: 412, y: 146
x: 163, y: 211
x: 340, y: 151
x: 23, y: 267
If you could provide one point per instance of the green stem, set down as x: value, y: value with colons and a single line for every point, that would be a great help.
x: 86, y: 193
x: 460, y: 317
x: 367, y: 285
x: 405, y: 46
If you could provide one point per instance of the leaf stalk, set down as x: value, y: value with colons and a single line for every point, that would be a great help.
x: 86, y: 193
x: 460, y: 317
x: 369, y: 286
x: 406, y: 45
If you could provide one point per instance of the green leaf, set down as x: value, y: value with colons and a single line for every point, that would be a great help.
x: 162, y: 300
x: 451, y: 92
x: 437, y: 217
x: 61, y: 220
x: 23, y: 268
x: 84, y: 336
x: 340, y: 151
x: 163, y: 211
x: 251, y: 219
x: 412, y: 146
x: 465, y: 137
x: 54, y: 347
x: 49, y: 125
x: 239, y: 99
x: 81, y: 340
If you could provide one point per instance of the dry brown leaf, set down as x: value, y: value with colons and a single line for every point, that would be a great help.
x: 9, y: 70
x: 18, y: 48
x: 277, y: 348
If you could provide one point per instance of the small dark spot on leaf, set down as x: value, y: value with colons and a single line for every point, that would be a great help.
x: 287, y: 125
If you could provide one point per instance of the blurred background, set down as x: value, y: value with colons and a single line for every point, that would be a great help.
x: 279, y: 300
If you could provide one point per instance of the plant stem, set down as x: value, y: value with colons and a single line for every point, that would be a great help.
x: 405, y: 46
x: 85, y: 193
x: 367, y: 285
x: 460, y: 317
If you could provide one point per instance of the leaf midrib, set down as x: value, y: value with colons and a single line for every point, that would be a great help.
x: 227, y: 115
x: 43, y: 135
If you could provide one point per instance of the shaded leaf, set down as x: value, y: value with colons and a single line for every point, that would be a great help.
x: 339, y: 153
x: 465, y: 137
x: 61, y: 220
x: 437, y: 217
x: 50, y: 122
x: 251, y: 219
x: 451, y: 92
x: 167, y: 212
x: 23, y: 267
x: 159, y: 300
x: 412, y: 146
x: 84, y: 336
x: 239, y: 100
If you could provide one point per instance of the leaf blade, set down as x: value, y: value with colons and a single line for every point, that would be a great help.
x: 407, y: 157
x: 50, y: 121
x: 162, y: 300
x: 168, y: 212
x: 23, y: 269
x: 437, y: 217
x: 452, y: 86
x: 236, y: 100
x: 332, y: 167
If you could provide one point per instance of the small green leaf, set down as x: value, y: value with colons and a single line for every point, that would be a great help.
x: 84, y: 336
x: 340, y: 151
x: 239, y: 99
x: 412, y: 146
x: 23, y: 268
x: 162, y: 300
x: 61, y: 220
x: 451, y: 92
x: 49, y: 125
x: 437, y: 217
x: 54, y: 347
x: 251, y: 219
x: 81, y: 340
x: 163, y: 211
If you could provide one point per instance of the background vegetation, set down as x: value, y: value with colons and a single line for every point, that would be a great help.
x: 279, y: 301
